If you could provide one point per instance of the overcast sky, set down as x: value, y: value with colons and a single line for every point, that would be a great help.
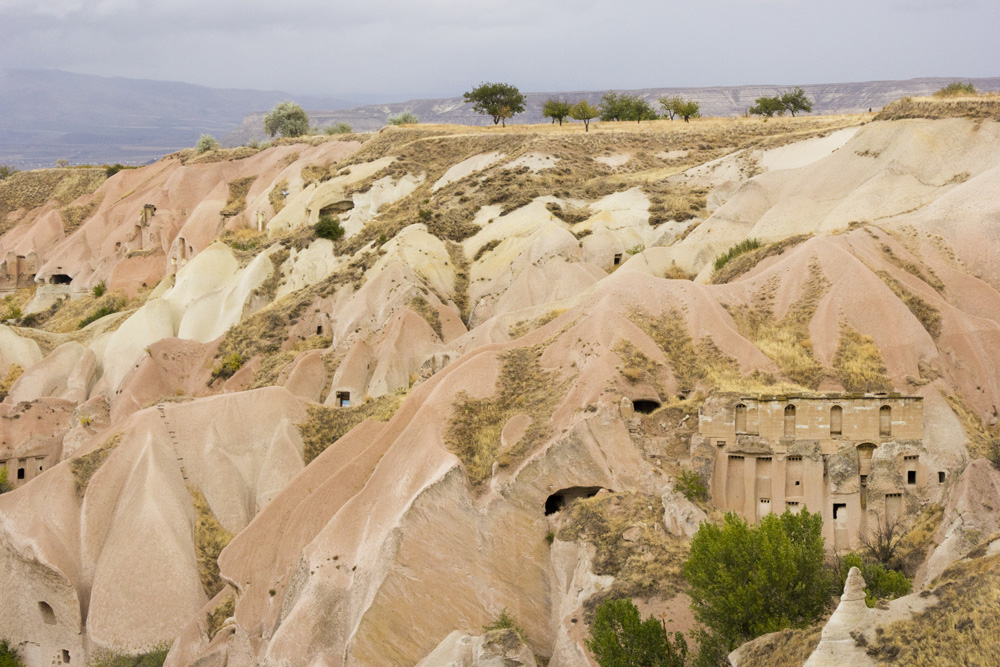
x: 424, y: 48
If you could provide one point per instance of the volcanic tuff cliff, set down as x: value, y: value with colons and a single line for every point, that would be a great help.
x: 461, y: 405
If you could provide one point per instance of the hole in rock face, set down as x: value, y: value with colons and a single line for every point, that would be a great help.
x: 60, y: 279
x: 840, y: 510
x: 337, y: 208
x: 344, y: 399
x: 48, y: 615
x: 563, y: 497
x: 911, y: 476
x: 618, y: 258
x: 645, y: 405
x: 941, y: 478
x: 65, y: 656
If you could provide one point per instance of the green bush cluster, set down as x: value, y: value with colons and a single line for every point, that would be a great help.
x: 8, y: 654
x: 108, y: 309
x: 338, y: 128
x: 228, y: 366
x: 794, y: 101
x: 5, y: 484
x: 620, y: 638
x: 621, y: 106
x: 505, y: 622
x: 957, y: 89
x: 328, y: 227
x: 881, y: 583
x: 692, y: 486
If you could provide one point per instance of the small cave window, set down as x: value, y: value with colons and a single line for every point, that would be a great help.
x: 645, y: 405
x: 911, y: 476
x: 20, y: 473
x: 720, y: 443
x: 337, y: 207
x: 741, y: 418
x: 864, y: 481
x: 839, y: 511
x: 48, y: 615
x: 558, y: 500
x: 618, y: 258
x: 319, y: 329
x: 836, y: 420
x: 60, y: 279
x: 885, y: 420
x: 65, y: 656
x: 343, y: 399
x: 941, y: 477
x: 790, y: 421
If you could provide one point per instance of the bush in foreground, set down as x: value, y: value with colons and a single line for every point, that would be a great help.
x: 620, y: 638
x: 338, y: 128
x: 746, y: 581
x: 206, y: 142
x: 957, y: 89
x: 881, y: 583
x: 404, y: 118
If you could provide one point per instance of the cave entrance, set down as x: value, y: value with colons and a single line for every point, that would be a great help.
x: 60, y: 279
x: 645, y: 405
x: 336, y: 208
x: 343, y: 399
x: 564, y: 497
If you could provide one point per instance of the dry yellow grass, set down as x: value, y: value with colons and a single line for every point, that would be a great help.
x: 859, y: 363
x: 210, y: 538
x: 929, y: 316
x: 786, y: 648
x: 979, y: 434
x: 648, y: 565
x: 237, y: 200
x: 786, y: 341
x: 84, y: 467
x: 423, y: 308
x: 275, y: 197
x: 638, y: 367
x: 742, y: 264
x: 523, y: 327
x: 26, y: 190
x: 978, y: 107
x: 916, y: 541
x: 522, y: 387
x: 218, y: 616
x: 325, y: 426
x: 959, y: 629
x: 14, y: 371
x: 73, y: 216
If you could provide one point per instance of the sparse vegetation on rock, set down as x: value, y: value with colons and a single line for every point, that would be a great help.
x: 956, y: 89
x: 206, y: 142
x: 403, y: 118
x: 329, y: 227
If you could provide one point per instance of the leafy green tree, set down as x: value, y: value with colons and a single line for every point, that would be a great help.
x: 585, y: 111
x: 5, y: 484
x: 796, y: 101
x: 688, y: 109
x: 620, y: 638
x: 287, y: 119
x: 6, y: 170
x: 746, y: 581
x: 499, y: 100
x: 403, y: 118
x: 8, y: 655
x: 620, y: 106
x: 669, y: 105
x: 206, y: 142
x: 555, y: 109
x: 768, y: 106
x: 956, y: 89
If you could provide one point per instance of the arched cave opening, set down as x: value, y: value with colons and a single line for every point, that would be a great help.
x: 645, y: 405
x: 60, y: 279
x: 336, y: 208
x: 563, y: 497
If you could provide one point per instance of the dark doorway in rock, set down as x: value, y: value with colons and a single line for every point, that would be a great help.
x: 618, y: 258
x: 337, y: 208
x: 319, y: 329
x: 48, y: 615
x: 343, y: 399
x: 645, y: 405
x: 60, y: 279
x: 563, y: 497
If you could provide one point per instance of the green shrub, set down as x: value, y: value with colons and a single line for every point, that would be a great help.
x: 746, y: 245
x: 8, y: 654
x: 620, y: 638
x: 105, y: 310
x: 206, y: 142
x: 99, y: 289
x: 746, y: 581
x: 338, y: 128
x: 692, y: 486
x: 287, y: 119
x: 957, y: 89
x: 404, y: 118
x: 329, y: 227
x: 505, y: 622
x: 6, y: 170
x: 228, y: 366
x: 881, y: 583
x: 112, y: 169
x: 5, y: 484
x: 153, y: 658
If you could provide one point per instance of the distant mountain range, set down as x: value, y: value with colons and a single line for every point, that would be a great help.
x: 47, y: 115
x: 716, y: 101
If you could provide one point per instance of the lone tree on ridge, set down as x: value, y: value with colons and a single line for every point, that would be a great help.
x: 287, y: 119
x: 555, y: 109
x: 585, y: 111
x: 796, y: 100
x: 499, y: 100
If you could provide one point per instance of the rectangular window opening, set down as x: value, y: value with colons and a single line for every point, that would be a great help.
x: 911, y: 476
x: 838, y: 508
x: 618, y: 258
x: 941, y: 477
x: 344, y: 399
